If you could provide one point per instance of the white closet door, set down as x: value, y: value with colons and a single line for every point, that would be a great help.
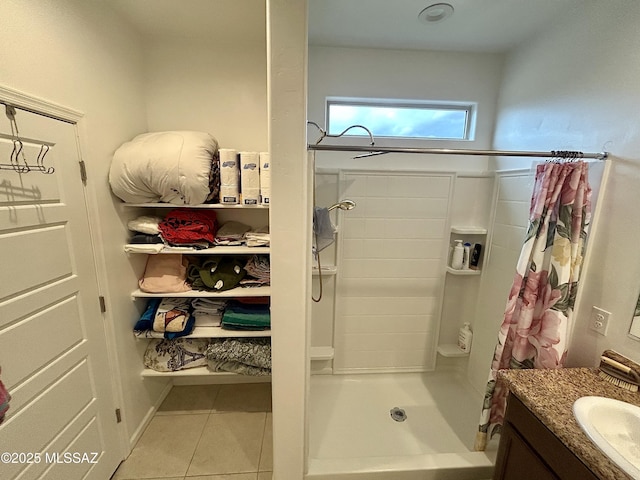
x: 61, y: 423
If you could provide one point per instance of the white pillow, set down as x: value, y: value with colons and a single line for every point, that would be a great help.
x: 171, y: 167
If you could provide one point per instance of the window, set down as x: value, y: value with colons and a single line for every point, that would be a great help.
x: 401, y: 119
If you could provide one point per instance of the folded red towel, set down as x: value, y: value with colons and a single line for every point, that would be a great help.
x: 183, y: 225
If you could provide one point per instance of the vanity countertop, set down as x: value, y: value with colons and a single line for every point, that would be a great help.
x: 550, y: 394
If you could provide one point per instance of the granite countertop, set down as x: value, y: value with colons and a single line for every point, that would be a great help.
x: 550, y: 394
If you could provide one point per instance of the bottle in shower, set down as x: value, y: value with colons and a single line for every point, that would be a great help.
x: 458, y: 255
x: 464, y: 337
x: 466, y: 255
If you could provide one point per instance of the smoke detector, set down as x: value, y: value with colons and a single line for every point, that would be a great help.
x: 436, y: 13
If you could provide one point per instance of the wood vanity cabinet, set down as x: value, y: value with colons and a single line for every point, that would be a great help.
x: 529, y: 451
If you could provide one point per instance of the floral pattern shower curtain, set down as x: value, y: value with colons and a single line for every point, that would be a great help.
x: 537, y: 317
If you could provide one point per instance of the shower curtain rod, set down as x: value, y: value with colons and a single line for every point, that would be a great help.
x: 374, y: 150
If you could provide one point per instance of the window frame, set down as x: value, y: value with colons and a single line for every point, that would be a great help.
x: 469, y: 107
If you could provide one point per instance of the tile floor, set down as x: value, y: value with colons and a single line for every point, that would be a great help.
x: 206, y: 432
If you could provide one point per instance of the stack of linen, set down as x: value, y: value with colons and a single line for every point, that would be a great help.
x: 245, y: 315
x: 258, y: 238
x: 259, y: 270
x: 208, y: 311
x: 231, y: 233
x: 168, y: 318
x: 245, y: 356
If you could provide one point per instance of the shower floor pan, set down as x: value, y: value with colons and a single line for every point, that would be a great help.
x: 356, y: 430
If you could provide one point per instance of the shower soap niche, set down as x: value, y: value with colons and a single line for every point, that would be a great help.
x: 451, y: 350
x: 473, y: 235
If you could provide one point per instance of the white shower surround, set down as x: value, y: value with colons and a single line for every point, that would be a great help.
x: 391, y: 254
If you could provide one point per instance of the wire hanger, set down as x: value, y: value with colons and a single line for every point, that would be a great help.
x: 17, y: 159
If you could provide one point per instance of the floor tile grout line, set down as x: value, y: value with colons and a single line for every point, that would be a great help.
x: 264, y: 429
x: 193, y: 454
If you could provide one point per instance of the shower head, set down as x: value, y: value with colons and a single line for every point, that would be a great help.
x: 343, y: 205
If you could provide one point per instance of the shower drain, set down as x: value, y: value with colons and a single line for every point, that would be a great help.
x: 398, y: 414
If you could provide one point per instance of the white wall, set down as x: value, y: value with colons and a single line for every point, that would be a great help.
x: 80, y: 55
x: 575, y: 87
x: 211, y: 87
x: 403, y: 74
x: 290, y: 234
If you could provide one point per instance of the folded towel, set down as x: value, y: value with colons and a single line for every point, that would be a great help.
x: 188, y: 329
x: 237, y: 367
x: 178, y: 354
x: 259, y: 267
x: 145, y: 224
x: 140, y: 248
x: 255, y: 352
x: 231, y: 233
x: 146, y: 319
x: 172, y: 315
x: 239, y: 316
x: 258, y: 237
x: 186, y: 226
x: 207, y: 319
x: 164, y: 274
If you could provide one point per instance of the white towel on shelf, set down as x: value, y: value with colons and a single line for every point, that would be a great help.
x: 229, y: 176
x: 265, y: 178
x: 250, y: 177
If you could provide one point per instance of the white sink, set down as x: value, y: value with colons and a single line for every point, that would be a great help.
x: 614, y: 427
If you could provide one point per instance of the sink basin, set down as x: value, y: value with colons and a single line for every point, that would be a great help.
x: 614, y: 427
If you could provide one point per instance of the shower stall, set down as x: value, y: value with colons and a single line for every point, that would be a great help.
x: 391, y: 396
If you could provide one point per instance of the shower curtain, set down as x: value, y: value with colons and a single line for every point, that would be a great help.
x: 537, y: 317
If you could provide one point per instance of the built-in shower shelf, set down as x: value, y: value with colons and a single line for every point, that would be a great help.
x: 451, y: 350
x: 469, y: 272
x: 326, y: 270
x: 321, y: 353
x: 469, y: 230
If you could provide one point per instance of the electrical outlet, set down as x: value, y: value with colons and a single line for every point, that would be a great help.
x: 599, y: 321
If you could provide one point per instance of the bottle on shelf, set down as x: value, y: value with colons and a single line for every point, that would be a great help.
x: 475, y: 256
x: 466, y: 254
x: 458, y: 255
x: 464, y: 337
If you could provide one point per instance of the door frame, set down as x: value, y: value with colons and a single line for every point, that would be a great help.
x: 74, y: 117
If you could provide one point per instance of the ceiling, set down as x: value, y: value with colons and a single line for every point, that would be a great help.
x: 223, y: 21
x: 475, y: 26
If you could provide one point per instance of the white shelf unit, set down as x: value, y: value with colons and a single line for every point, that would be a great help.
x: 217, y: 250
x: 219, y: 332
x: 231, y: 293
x: 209, y: 332
x: 210, y: 206
x: 197, y: 372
